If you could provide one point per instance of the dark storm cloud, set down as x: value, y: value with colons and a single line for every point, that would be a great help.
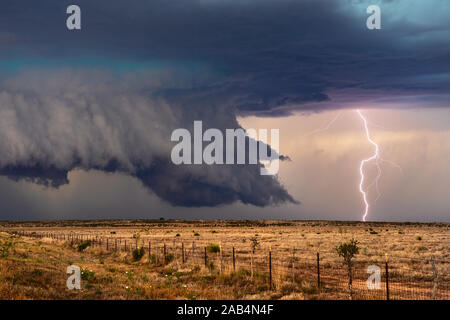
x: 93, y: 121
x: 267, y: 55
x: 213, y: 59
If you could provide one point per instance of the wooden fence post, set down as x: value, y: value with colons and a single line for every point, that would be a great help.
x: 293, y: 266
x: 149, y: 250
x: 251, y: 265
x: 387, y: 278
x: 220, y: 252
x: 270, y: 268
x: 182, y: 252
x: 318, y: 271
x: 206, y: 259
x: 435, y: 277
x: 234, y: 261
x: 107, y: 244
x: 165, y: 253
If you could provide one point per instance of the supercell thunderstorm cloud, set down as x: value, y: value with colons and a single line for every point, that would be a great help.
x: 87, y: 121
x: 107, y: 97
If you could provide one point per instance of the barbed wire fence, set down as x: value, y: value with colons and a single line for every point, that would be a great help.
x: 317, y: 274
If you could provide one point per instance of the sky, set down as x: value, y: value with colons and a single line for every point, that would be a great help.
x: 86, y: 115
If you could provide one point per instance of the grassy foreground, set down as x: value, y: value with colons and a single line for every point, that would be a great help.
x: 36, y: 269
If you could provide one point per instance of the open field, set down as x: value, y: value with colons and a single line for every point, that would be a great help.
x: 174, y: 265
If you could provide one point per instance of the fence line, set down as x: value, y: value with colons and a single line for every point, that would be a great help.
x: 316, y: 275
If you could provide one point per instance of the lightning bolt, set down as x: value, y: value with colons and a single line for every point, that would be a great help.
x: 374, y: 158
x: 378, y: 160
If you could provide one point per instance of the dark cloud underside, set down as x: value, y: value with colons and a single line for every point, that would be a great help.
x: 108, y: 96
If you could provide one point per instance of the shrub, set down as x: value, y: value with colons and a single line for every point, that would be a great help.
x: 37, y: 272
x: 254, y: 243
x: 6, y: 246
x: 196, y: 234
x: 170, y: 257
x: 243, y: 272
x: 83, y: 245
x: 138, y: 253
x: 196, y: 269
x: 87, y: 275
x: 419, y: 238
x: 348, y: 250
x: 422, y: 248
x: 213, y: 247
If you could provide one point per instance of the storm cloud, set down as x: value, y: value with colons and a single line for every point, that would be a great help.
x: 265, y: 57
x: 89, y: 120
x: 108, y: 96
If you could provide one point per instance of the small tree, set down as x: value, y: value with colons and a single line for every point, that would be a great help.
x: 254, y: 243
x: 348, y: 250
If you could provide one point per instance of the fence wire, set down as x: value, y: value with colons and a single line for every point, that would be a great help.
x: 317, y: 274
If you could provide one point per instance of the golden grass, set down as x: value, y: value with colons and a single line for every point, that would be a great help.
x: 37, y: 267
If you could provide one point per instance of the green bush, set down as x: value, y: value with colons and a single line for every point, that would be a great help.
x: 254, y: 243
x: 87, y: 275
x: 6, y: 246
x: 170, y: 257
x: 83, y: 245
x: 138, y: 253
x: 213, y: 247
x: 348, y: 250
x: 419, y: 238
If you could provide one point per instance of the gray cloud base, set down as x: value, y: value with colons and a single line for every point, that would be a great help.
x: 92, y: 120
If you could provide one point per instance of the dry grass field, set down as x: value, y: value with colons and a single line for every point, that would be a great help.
x: 34, y: 257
